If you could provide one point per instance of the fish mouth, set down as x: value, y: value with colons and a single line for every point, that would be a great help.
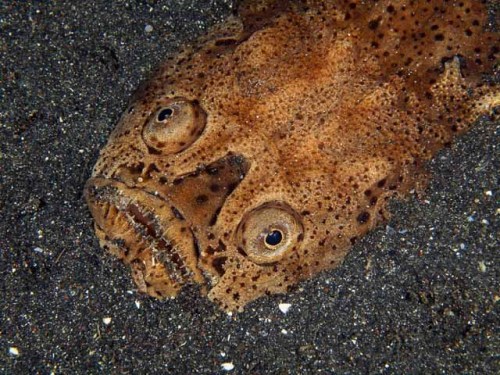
x: 147, y: 232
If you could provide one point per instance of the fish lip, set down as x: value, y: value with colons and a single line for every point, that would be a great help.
x: 148, y: 226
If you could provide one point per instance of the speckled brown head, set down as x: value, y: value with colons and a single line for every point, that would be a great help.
x: 258, y: 157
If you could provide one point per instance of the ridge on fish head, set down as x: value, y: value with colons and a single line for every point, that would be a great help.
x: 257, y: 157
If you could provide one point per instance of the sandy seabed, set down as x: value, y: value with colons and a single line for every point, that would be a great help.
x: 418, y: 295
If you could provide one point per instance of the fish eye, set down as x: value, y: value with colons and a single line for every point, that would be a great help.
x: 174, y: 126
x: 273, y: 238
x: 164, y: 114
x: 269, y: 232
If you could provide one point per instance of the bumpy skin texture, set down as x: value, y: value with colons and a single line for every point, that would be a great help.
x: 257, y: 157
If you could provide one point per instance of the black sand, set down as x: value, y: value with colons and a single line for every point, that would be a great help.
x: 419, y: 295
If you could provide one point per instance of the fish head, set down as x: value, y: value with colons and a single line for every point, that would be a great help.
x: 258, y: 157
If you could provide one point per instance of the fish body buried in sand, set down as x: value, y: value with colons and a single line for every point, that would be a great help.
x: 256, y: 157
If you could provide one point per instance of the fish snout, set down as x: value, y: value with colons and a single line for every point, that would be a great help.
x: 153, y: 226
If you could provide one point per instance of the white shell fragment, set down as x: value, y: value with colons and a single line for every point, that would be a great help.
x: 227, y: 366
x: 284, y: 307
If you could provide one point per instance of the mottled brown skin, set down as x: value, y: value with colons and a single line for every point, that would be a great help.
x: 256, y: 158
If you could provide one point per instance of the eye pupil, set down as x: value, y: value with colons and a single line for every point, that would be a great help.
x: 274, y: 238
x: 165, y: 114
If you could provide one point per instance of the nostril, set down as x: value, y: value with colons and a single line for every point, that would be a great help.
x: 201, y: 199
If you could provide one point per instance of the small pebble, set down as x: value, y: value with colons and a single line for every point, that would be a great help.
x: 148, y: 28
x: 106, y: 320
x: 390, y: 230
x: 482, y: 266
x: 13, y: 351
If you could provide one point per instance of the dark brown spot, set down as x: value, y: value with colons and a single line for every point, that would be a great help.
x: 178, y: 181
x: 373, y: 24
x: 212, y: 171
x: 381, y: 183
x: 363, y: 217
x: 201, y: 199
x: 214, y: 188
x: 218, y: 265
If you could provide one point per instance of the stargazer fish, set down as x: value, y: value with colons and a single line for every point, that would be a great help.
x: 255, y: 157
